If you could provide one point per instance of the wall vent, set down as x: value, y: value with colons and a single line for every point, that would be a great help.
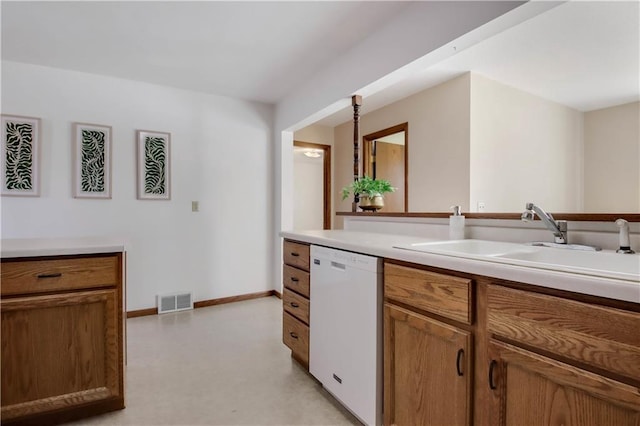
x: 174, y: 302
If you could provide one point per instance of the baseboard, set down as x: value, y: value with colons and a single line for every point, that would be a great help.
x: 142, y: 312
x: 232, y: 299
x: 210, y: 302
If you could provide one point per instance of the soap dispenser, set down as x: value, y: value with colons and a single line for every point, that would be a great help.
x: 456, y: 224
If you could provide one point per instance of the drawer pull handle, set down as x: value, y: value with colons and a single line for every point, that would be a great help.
x: 294, y: 254
x: 54, y: 275
x: 294, y: 335
x: 294, y: 304
x: 492, y: 385
x: 458, y: 358
x: 294, y: 279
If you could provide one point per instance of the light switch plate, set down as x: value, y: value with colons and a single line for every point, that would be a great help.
x: 195, y: 206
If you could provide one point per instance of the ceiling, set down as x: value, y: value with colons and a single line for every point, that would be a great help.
x: 257, y: 51
x: 583, y: 54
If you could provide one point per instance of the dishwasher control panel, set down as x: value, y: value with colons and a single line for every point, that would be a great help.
x: 361, y: 261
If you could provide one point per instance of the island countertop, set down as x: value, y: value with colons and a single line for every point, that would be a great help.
x: 35, y: 247
x: 382, y: 245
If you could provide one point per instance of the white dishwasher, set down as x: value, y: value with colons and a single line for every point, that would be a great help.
x: 345, y: 342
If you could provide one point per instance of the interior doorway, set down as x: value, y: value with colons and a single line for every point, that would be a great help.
x: 312, y: 186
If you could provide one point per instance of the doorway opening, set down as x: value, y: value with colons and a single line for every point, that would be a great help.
x: 312, y: 185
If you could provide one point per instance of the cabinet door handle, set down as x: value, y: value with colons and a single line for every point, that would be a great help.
x: 458, y: 358
x: 53, y: 275
x: 294, y: 254
x: 492, y: 365
x: 294, y: 335
x: 294, y: 279
x: 295, y: 305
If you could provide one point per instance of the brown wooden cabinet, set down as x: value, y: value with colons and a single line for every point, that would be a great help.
x: 531, y: 389
x: 558, y: 361
x: 427, y: 362
x: 295, y: 300
x: 427, y: 370
x: 531, y: 355
x: 62, y: 338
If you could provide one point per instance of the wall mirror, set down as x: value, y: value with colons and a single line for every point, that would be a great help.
x: 385, y: 157
x: 547, y: 112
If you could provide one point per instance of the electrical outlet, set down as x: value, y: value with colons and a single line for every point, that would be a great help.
x: 195, y: 206
x: 480, y: 206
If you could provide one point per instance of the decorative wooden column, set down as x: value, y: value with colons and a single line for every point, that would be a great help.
x: 356, y: 101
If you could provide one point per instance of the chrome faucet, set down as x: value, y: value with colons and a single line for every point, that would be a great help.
x: 625, y: 245
x: 559, y: 228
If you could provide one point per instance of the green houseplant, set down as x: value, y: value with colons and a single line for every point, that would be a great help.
x: 370, y: 191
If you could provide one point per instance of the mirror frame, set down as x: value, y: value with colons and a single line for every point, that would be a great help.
x: 366, y: 153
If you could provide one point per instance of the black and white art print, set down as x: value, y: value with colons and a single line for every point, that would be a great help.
x: 20, y: 160
x: 154, y: 178
x: 92, y: 161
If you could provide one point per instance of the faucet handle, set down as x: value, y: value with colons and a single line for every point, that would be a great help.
x: 625, y: 245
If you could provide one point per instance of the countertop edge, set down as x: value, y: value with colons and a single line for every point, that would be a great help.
x: 18, y: 248
x: 610, y: 288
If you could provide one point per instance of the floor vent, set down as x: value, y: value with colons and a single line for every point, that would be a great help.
x: 174, y: 302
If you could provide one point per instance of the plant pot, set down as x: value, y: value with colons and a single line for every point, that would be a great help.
x: 371, y: 203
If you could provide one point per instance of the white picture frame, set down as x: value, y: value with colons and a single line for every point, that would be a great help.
x: 153, y: 152
x: 20, y: 152
x: 91, y: 160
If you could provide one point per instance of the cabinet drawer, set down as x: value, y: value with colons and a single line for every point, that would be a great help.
x: 296, y: 336
x: 296, y: 254
x: 440, y: 294
x: 296, y: 280
x: 296, y: 305
x: 39, y: 276
x: 603, y: 337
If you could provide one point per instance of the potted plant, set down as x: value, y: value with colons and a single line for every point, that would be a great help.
x: 370, y: 191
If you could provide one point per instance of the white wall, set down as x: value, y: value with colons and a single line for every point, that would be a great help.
x: 315, y: 133
x: 523, y: 149
x: 612, y: 159
x: 221, y: 157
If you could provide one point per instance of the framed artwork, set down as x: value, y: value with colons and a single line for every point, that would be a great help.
x: 91, y: 161
x: 20, y: 159
x: 154, y: 171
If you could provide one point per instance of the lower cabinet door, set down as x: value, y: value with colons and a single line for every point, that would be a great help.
x: 530, y: 389
x: 59, y: 352
x: 427, y: 370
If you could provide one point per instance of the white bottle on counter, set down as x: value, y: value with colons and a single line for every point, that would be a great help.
x: 456, y: 224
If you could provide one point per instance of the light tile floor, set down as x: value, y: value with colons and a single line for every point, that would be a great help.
x: 220, y: 365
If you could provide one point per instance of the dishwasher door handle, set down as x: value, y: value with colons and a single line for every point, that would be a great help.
x: 340, y: 266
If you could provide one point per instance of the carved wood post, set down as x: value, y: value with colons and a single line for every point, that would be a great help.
x: 356, y: 101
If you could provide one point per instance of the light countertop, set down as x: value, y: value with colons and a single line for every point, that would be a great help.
x: 33, y: 247
x: 381, y: 245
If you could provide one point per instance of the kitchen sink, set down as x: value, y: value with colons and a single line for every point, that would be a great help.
x: 606, y: 264
x: 609, y: 264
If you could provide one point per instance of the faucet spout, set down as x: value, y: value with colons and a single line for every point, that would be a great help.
x: 558, y: 228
